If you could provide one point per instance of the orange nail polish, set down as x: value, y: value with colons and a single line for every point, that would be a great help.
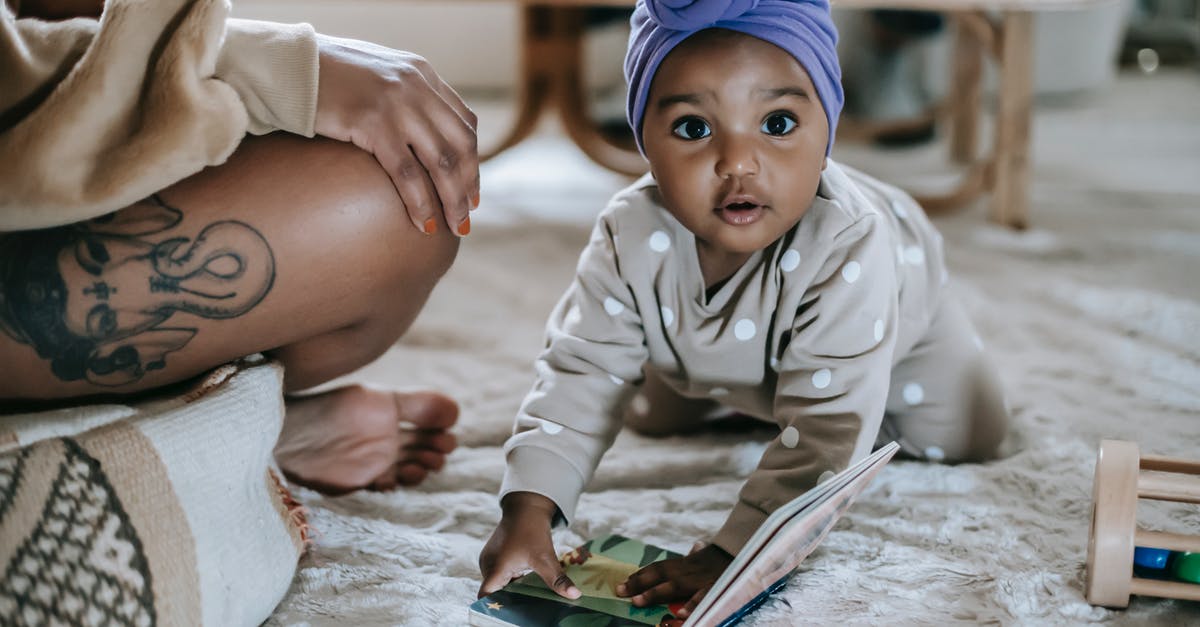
x: 464, y: 229
x: 430, y: 226
x: 475, y: 201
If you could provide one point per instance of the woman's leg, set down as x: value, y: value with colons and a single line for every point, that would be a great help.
x: 946, y: 402
x: 297, y: 248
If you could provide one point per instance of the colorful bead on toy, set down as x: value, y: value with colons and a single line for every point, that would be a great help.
x: 1155, y: 559
x: 1186, y: 566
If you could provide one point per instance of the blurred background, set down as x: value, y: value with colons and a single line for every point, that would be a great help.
x: 1091, y: 310
x: 1076, y: 51
x: 1088, y: 62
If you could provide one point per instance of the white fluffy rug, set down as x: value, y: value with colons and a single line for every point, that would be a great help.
x: 1093, y: 316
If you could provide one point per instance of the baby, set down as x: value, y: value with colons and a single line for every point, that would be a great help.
x: 747, y: 271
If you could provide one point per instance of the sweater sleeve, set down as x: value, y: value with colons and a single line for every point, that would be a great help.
x: 592, y: 364
x: 273, y: 68
x: 833, y: 381
x: 95, y: 115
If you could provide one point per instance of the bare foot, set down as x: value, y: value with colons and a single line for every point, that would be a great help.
x: 356, y: 437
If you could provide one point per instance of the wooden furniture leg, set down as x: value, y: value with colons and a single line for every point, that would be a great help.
x: 572, y: 98
x: 1010, y: 195
x: 965, y: 89
x: 539, y: 53
x: 552, y: 75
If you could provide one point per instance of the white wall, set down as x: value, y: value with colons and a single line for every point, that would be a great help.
x: 472, y: 44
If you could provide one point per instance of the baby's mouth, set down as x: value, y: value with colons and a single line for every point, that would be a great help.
x: 740, y: 213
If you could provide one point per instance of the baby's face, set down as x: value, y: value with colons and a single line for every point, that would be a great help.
x: 735, y: 135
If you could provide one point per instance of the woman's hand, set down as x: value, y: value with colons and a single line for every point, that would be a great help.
x: 676, y: 580
x: 393, y: 105
x: 520, y: 543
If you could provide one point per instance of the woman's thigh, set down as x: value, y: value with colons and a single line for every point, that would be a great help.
x: 946, y: 401
x: 290, y: 240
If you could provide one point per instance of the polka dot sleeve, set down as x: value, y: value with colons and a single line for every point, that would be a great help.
x: 591, y: 365
x: 834, y: 373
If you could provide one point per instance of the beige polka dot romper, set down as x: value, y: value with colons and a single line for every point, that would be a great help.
x: 841, y: 332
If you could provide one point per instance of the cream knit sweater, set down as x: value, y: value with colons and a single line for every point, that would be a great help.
x: 97, y: 114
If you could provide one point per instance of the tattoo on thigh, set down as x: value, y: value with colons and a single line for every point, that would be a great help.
x: 94, y: 298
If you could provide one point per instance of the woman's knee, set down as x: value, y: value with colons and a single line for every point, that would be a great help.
x: 324, y: 249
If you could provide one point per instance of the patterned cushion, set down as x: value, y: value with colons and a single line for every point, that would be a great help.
x: 164, y: 512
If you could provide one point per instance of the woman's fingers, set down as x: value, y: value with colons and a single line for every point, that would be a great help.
x: 451, y: 164
x: 472, y: 138
x: 394, y: 105
x: 439, y: 129
x: 412, y: 183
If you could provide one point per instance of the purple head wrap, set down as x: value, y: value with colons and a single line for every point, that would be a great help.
x: 803, y: 28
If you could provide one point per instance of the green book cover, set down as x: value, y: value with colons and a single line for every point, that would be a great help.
x: 596, y: 568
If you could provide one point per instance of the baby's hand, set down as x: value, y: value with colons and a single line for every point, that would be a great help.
x: 675, y: 580
x: 520, y: 543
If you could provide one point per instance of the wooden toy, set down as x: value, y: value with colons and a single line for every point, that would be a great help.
x: 1122, y: 477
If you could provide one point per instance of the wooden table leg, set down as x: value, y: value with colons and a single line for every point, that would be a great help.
x: 573, y: 102
x: 540, y: 54
x: 552, y: 74
x: 1010, y: 196
x: 537, y: 75
x: 965, y: 92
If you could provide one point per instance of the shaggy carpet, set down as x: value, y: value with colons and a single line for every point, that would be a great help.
x: 1093, y: 316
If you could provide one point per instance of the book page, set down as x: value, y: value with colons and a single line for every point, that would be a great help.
x: 783, y: 541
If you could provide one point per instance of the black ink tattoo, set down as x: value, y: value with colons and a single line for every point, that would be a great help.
x: 100, y: 289
x: 92, y: 298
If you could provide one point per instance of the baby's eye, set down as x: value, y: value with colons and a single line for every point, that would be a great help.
x: 691, y: 128
x: 778, y: 124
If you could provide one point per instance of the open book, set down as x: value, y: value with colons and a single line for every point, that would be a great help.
x: 763, y: 565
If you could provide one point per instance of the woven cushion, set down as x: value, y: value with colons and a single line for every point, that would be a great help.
x: 164, y: 512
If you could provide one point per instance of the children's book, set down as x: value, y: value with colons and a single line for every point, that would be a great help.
x: 763, y: 565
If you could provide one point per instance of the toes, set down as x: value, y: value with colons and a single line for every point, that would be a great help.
x: 430, y: 460
x: 411, y: 474
x: 426, y: 410
x: 400, y: 475
x: 440, y: 441
x: 353, y: 441
x: 412, y: 467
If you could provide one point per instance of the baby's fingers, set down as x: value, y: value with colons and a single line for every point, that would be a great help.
x: 692, y: 603
x: 496, y: 579
x: 661, y: 594
x: 552, y: 573
x: 642, y: 580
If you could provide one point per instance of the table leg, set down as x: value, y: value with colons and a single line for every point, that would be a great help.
x: 1010, y: 196
x: 573, y: 102
x: 965, y: 93
x: 552, y: 73
x: 538, y: 72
